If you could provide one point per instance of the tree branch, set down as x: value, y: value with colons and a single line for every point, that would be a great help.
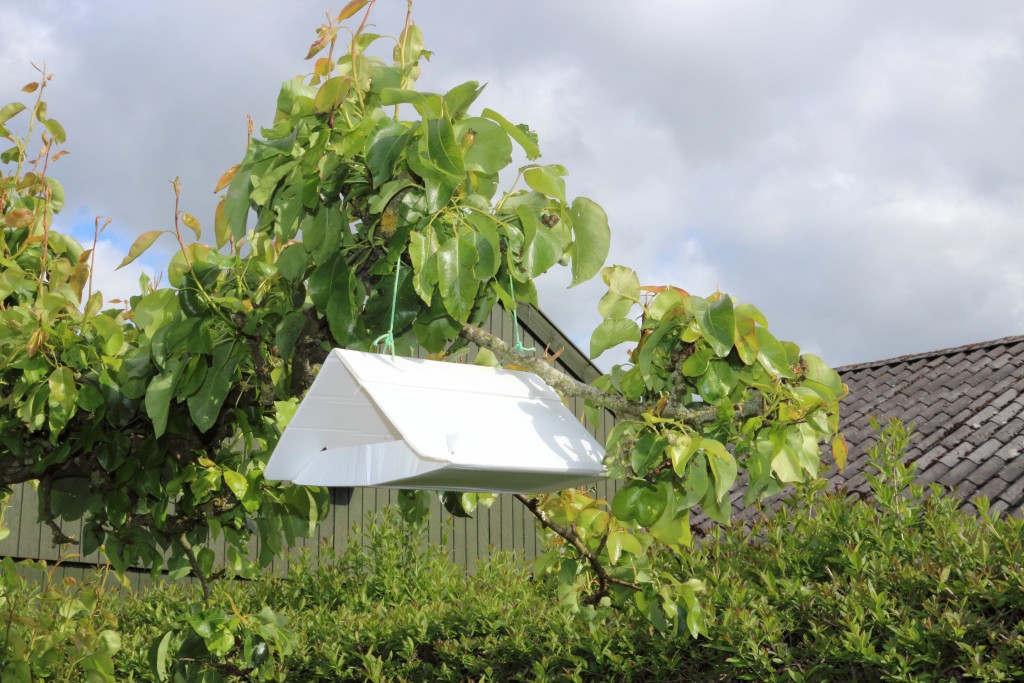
x: 572, y: 538
x: 620, y: 405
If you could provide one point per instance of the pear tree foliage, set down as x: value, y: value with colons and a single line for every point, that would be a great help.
x: 153, y: 419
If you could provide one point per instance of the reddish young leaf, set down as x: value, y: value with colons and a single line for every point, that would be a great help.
x: 350, y: 9
x: 19, y: 218
x: 225, y: 179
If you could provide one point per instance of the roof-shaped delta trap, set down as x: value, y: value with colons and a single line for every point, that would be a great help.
x: 378, y: 421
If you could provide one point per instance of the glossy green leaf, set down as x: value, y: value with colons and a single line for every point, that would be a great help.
x: 458, y: 99
x: 204, y: 405
x: 591, y: 239
x: 673, y: 526
x: 611, y: 333
x: 237, y: 483
x: 681, y: 451
x: 236, y: 201
x: 623, y: 292
x: 486, y: 146
x: 819, y: 371
x: 331, y: 94
x: 717, y: 322
x: 192, y: 223
x: 158, y: 399
x: 772, y: 355
x: 442, y: 150
x: 10, y: 110
x: 458, y: 285
x: 544, y: 246
x: 155, y: 310
x: 384, y: 146
x: 695, y: 484
x: 141, y: 244
x: 697, y: 363
x: 723, y: 467
x: 63, y: 392
x: 547, y: 180
x: 522, y: 138
x: 56, y: 194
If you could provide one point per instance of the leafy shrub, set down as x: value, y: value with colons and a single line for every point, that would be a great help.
x: 49, y: 631
x: 902, y: 585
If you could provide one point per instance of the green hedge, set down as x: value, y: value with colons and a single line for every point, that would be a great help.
x: 902, y: 585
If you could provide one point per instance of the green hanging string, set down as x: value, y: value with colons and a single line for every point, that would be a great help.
x: 515, y: 318
x: 389, y: 338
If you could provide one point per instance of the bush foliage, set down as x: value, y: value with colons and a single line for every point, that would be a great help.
x: 901, y: 585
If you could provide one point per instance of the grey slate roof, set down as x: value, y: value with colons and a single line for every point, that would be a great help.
x: 967, y: 406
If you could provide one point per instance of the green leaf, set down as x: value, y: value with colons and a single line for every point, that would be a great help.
x: 458, y: 99
x: 673, y: 527
x: 454, y: 503
x: 623, y: 292
x: 544, y: 246
x: 141, y: 244
x: 155, y: 310
x: 331, y: 94
x: 486, y: 146
x: 697, y: 364
x: 819, y: 371
x: 717, y: 382
x: 383, y: 148
x: 236, y: 201
x: 622, y: 541
x: 70, y: 497
x: 56, y: 130
x: 647, y: 453
x: 591, y: 239
x: 423, y: 249
x: 611, y: 333
x: 331, y: 288
x: 528, y: 144
x: 221, y: 226
x: 204, y: 405
x: 158, y: 659
x: 236, y: 482
x: 442, y: 150
x: 680, y: 452
x: 63, y: 392
x: 287, y: 333
x: 414, y: 505
x: 11, y: 110
x: 192, y: 223
x: 717, y: 323
x: 292, y: 262
x: 455, y: 261
x: 158, y: 399
x: 56, y: 194
x: 723, y: 467
x: 547, y: 180
x: 695, y: 485
x: 772, y: 355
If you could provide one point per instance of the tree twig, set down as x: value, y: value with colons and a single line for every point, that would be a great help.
x: 572, y: 538
x: 616, y: 403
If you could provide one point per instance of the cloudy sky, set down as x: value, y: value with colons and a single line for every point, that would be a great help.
x: 854, y: 168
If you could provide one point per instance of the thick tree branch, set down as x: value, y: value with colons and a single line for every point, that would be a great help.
x: 619, y: 405
x: 572, y: 538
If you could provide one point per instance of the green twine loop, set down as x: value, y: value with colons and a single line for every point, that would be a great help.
x: 515, y: 319
x: 389, y: 338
